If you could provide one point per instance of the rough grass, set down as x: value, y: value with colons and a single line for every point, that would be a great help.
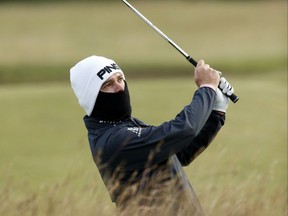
x: 46, y: 167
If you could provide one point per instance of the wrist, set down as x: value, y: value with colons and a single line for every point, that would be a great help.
x: 208, y: 86
x: 219, y: 112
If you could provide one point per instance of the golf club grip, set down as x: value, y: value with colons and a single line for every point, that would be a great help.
x: 191, y: 60
x: 234, y: 98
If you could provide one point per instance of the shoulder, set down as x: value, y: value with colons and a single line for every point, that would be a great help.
x: 140, y: 123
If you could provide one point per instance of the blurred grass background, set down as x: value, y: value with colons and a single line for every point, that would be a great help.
x: 45, y: 162
x: 40, y: 42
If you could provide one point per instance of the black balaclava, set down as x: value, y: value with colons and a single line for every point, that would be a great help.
x: 112, y: 106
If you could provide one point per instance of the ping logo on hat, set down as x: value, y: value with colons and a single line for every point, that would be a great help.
x: 107, y: 69
x: 87, y: 77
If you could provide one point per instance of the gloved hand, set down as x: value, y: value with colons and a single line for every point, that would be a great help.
x: 221, y: 103
x: 225, y: 86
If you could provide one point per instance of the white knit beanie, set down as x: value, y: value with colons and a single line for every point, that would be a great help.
x: 87, y: 77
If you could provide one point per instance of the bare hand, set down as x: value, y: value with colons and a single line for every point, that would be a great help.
x: 205, y: 75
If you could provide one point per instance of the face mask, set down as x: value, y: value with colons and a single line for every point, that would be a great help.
x: 112, y: 106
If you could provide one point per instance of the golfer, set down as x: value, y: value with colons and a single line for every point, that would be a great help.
x: 140, y: 164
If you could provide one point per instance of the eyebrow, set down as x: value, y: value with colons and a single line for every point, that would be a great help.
x: 107, y: 81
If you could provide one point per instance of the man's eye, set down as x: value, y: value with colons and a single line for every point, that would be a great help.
x: 106, y: 85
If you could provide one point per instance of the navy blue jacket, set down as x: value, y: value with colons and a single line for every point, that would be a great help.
x: 131, y: 152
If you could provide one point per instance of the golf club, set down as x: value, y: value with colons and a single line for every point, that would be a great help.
x: 232, y: 97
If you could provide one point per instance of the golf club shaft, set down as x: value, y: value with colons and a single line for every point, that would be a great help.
x: 233, y: 97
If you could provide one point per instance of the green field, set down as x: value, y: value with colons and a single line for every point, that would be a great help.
x: 46, y: 167
x: 45, y: 163
x: 41, y: 41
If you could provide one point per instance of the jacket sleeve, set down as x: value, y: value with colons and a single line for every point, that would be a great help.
x: 155, y: 144
x: 202, y: 140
